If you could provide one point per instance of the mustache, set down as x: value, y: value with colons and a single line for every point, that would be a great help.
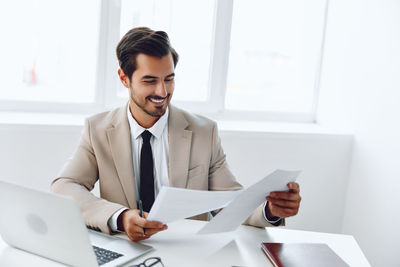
x: 159, y: 97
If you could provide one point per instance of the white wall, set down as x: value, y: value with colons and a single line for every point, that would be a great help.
x: 324, y: 160
x: 32, y: 156
x: 361, y: 91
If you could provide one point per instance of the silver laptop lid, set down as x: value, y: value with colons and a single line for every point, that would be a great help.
x: 45, y: 224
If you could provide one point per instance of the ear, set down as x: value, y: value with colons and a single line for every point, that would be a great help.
x: 124, y: 79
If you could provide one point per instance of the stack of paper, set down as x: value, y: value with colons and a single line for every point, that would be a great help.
x: 175, y: 203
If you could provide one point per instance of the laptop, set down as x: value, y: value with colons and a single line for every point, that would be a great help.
x: 52, y: 226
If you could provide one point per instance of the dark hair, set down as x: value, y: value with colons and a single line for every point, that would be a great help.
x: 143, y: 40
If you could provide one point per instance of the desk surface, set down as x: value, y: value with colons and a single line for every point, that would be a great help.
x: 180, y: 246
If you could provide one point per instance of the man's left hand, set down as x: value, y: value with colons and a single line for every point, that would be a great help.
x: 284, y: 204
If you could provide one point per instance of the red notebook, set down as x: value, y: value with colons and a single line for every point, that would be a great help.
x: 302, y: 254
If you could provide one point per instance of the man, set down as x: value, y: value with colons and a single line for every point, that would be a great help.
x: 135, y: 150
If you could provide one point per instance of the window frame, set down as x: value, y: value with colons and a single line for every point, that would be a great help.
x: 107, y: 80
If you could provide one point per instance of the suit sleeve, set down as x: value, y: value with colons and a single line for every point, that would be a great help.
x: 221, y: 178
x: 78, y: 178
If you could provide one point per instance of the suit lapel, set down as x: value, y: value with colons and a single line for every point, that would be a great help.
x: 179, y: 140
x: 121, y: 149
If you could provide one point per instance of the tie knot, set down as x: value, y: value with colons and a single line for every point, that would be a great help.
x: 146, y: 135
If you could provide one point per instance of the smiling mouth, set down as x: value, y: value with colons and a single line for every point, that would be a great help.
x: 157, y: 100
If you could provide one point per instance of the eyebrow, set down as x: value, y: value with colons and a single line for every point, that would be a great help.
x: 147, y: 77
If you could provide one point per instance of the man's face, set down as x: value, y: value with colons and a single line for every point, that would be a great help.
x: 151, y: 85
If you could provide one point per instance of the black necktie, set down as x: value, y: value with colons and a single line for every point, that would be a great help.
x: 146, y: 173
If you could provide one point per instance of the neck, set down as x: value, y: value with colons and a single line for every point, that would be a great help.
x: 141, y: 117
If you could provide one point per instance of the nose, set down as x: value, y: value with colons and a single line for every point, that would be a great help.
x: 161, y: 89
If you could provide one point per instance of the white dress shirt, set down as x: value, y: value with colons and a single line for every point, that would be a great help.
x: 160, y: 149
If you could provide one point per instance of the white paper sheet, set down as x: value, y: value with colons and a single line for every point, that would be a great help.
x: 247, y: 201
x: 176, y: 203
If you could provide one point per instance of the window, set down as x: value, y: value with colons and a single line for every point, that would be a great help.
x: 274, y: 55
x: 48, y: 54
x: 189, y: 26
x: 236, y: 57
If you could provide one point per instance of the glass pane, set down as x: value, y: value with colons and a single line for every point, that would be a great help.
x: 274, y: 55
x: 49, y: 50
x: 189, y: 26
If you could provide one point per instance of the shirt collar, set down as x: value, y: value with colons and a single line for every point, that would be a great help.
x: 157, y: 129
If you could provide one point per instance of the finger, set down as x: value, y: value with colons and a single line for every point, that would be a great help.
x: 277, y: 207
x: 153, y: 224
x: 142, y: 222
x: 294, y: 187
x: 135, y: 230
x: 282, y: 212
x: 137, y: 220
x: 285, y: 195
x: 284, y: 203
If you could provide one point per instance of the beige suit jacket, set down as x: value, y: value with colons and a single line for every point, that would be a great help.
x: 196, y: 161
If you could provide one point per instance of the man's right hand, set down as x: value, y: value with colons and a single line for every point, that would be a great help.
x: 133, y: 225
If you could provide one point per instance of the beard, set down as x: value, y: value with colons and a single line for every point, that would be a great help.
x: 160, y: 110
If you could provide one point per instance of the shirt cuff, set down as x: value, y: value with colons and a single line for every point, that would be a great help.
x: 112, y: 222
x: 274, y: 222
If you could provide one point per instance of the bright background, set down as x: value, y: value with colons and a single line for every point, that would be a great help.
x: 350, y: 157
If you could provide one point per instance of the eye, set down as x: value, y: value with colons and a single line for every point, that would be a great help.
x: 169, y: 79
x: 149, y: 81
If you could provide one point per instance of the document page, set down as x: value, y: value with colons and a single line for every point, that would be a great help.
x: 239, y: 209
x: 177, y: 203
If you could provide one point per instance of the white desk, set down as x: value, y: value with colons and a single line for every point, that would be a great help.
x: 180, y: 246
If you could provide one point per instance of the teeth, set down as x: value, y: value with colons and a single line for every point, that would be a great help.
x: 157, y: 100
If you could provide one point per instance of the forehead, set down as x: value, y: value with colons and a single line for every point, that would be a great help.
x: 150, y: 65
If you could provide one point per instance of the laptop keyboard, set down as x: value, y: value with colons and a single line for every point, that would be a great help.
x: 103, y: 255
